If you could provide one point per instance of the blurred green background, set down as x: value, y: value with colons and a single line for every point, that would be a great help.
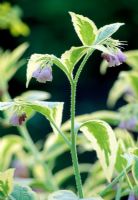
x: 52, y: 32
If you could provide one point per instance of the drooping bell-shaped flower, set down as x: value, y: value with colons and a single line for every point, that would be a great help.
x: 121, y: 56
x: 114, y: 59
x: 18, y: 119
x: 43, y: 74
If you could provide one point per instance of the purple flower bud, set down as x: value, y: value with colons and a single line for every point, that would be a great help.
x: 17, y: 120
x: 43, y: 74
x: 116, y: 59
x: 129, y: 124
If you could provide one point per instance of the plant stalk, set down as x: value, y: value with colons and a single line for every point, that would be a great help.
x: 73, y: 132
x: 73, y: 141
x: 115, y: 181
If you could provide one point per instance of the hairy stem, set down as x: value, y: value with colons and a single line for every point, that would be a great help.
x: 82, y: 65
x: 73, y: 140
x: 73, y: 133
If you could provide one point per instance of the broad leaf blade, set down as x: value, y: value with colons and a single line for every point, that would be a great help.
x: 68, y: 195
x: 11, y: 60
x: 51, y: 110
x: 63, y: 194
x: 9, y: 144
x: 35, y: 95
x: 132, y: 58
x: 133, y: 81
x: 117, y: 90
x: 85, y: 28
x: 107, y: 31
x: 126, y: 81
x: 120, y: 161
x: 53, y: 147
x: 7, y: 177
x: 103, y: 140
x: 6, y: 105
x: 23, y: 193
x: 110, y: 117
x: 72, y: 56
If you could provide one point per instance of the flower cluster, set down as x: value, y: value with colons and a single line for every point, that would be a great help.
x: 18, y: 119
x: 43, y: 74
x: 115, y: 59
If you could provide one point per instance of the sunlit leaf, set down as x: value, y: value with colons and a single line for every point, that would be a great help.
x: 35, y: 95
x: 85, y: 28
x: 10, y: 18
x: 10, y: 61
x: 68, y: 195
x: 9, y: 145
x: 126, y: 137
x: 51, y: 110
x: 63, y: 175
x: 107, y: 31
x: 63, y: 194
x: 111, y: 117
x: 23, y: 193
x: 133, y: 81
x: 103, y: 140
x: 7, y: 178
x: 54, y: 146
x: 72, y: 56
x: 120, y: 160
x: 117, y: 90
x: 6, y: 105
x: 132, y: 58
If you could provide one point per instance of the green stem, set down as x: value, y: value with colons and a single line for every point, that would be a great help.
x: 82, y: 65
x: 73, y: 140
x: 73, y: 133
x: 61, y: 133
x: 119, y: 190
x: 115, y: 181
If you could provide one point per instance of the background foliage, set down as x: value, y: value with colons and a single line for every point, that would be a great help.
x: 51, y: 32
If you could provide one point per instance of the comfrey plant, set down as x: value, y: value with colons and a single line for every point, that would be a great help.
x: 97, y: 133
